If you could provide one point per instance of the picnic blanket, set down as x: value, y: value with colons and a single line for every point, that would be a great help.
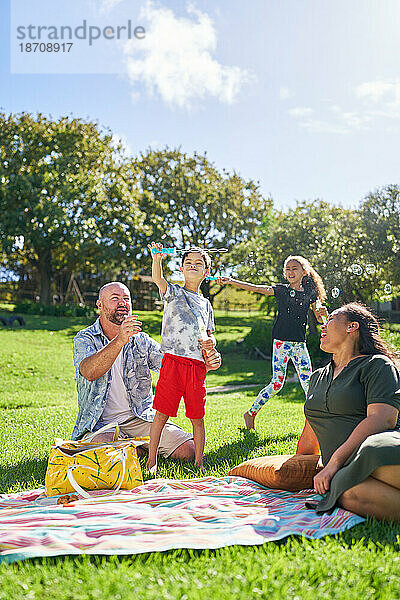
x: 160, y: 515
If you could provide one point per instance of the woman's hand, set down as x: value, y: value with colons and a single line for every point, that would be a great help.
x: 322, y: 481
x: 379, y: 417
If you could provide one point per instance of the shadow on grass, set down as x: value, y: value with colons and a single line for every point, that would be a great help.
x: 229, y: 454
x: 48, y: 323
x: 381, y: 533
x: 243, y: 383
x: 233, y: 453
x: 236, y: 451
x: 29, y: 472
x: 235, y: 321
x: 291, y: 392
x: 10, y: 406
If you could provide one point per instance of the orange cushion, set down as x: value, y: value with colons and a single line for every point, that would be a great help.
x: 291, y: 472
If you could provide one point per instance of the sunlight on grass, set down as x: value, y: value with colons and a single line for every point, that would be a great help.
x: 38, y: 402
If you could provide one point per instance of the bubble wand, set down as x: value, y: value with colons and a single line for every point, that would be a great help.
x: 212, y: 277
x: 173, y: 251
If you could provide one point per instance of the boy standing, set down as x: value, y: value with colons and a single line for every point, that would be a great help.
x: 187, y: 317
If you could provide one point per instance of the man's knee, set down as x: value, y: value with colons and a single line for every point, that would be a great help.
x: 184, y: 452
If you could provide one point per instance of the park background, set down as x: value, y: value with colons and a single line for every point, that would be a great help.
x: 269, y: 129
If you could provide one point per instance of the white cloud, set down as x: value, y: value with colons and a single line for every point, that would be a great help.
x: 374, y: 102
x: 176, y: 59
x: 344, y: 122
x: 321, y: 126
x: 388, y: 91
x: 381, y: 98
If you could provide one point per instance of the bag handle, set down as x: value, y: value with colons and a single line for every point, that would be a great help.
x: 89, y: 436
x: 84, y: 493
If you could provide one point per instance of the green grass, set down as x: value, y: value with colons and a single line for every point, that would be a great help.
x: 38, y: 403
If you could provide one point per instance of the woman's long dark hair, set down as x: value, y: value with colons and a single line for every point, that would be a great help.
x: 370, y: 340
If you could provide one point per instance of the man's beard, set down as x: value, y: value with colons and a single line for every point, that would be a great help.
x: 117, y: 316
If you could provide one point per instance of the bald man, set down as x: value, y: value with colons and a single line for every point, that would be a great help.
x: 113, y: 362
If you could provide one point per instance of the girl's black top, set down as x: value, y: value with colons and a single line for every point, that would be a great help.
x: 293, y: 306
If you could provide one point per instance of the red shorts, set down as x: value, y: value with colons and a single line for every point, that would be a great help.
x: 181, y: 376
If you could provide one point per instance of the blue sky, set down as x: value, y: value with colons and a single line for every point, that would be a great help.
x: 301, y: 95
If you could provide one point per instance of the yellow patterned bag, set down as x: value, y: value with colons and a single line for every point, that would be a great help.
x: 77, y: 466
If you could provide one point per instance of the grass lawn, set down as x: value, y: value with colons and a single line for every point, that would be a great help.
x: 38, y: 403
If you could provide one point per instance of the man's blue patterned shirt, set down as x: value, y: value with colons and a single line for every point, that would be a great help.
x: 139, y: 355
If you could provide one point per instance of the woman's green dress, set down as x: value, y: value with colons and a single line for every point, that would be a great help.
x: 334, y: 407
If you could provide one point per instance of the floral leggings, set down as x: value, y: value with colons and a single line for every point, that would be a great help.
x: 281, y: 353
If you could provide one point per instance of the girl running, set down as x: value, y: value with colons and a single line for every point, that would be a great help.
x: 303, y: 290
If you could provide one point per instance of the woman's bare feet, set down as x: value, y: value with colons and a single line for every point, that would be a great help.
x: 199, y: 466
x: 249, y: 420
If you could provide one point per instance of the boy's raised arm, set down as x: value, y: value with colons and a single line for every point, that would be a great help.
x: 156, y: 269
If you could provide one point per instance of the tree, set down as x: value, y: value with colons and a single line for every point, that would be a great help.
x: 189, y: 202
x: 67, y: 196
x: 380, y: 216
x: 332, y: 238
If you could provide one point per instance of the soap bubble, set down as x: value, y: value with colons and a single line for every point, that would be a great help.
x: 356, y: 269
x: 387, y: 288
x: 335, y: 292
x: 370, y: 269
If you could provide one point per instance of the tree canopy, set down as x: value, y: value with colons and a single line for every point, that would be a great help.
x: 70, y: 198
x: 65, y: 195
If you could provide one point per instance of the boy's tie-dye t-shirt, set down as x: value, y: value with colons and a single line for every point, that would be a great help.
x: 187, y: 318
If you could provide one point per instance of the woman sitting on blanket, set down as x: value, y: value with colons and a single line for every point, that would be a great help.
x: 352, y: 411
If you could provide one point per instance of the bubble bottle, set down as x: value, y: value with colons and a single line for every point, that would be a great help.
x: 318, y: 305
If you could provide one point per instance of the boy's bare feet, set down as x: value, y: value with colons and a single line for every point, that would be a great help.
x: 249, y: 420
x: 199, y: 466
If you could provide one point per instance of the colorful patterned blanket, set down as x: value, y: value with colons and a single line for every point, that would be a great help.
x: 160, y: 515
